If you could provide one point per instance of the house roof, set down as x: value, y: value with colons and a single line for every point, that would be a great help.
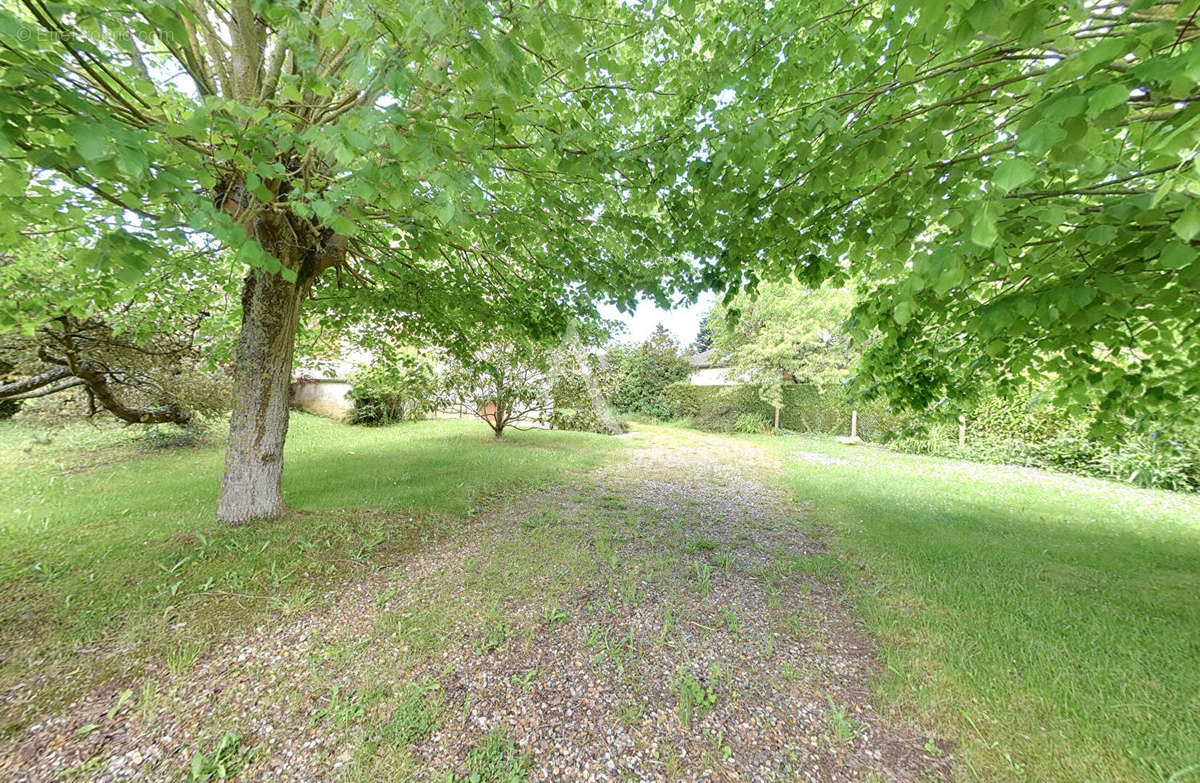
x: 706, y: 359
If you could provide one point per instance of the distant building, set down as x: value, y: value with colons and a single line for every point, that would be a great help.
x: 708, y: 369
x: 325, y: 388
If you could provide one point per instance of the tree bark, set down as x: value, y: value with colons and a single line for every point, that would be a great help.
x: 250, y: 488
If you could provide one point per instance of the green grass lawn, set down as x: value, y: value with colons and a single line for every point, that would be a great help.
x: 110, y: 541
x: 1048, y: 624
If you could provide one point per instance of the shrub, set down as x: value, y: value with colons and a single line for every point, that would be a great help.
x: 751, y: 423
x: 1148, y: 461
x: 579, y: 398
x: 391, y: 390
x: 644, y: 372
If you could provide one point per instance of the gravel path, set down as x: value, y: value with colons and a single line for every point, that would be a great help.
x: 674, y: 622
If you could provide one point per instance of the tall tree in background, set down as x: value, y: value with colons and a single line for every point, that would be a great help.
x: 439, y: 163
x: 1015, y: 183
x: 786, y: 333
x: 645, y: 370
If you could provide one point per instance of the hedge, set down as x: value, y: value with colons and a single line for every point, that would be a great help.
x: 805, y: 409
x: 1018, y: 432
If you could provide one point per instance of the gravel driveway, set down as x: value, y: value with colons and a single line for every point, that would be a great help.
x: 667, y: 617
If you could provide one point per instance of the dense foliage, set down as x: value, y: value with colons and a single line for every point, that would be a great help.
x: 785, y: 333
x: 400, y: 386
x: 804, y: 408
x: 1015, y: 184
x: 644, y: 371
x: 580, y: 392
x: 147, y: 352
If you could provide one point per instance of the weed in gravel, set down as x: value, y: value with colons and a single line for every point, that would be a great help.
x: 554, y: 614
x: 341, y: 709
x: 702, y: 574
x: 720, y: 746
x: 669, y: 622
x: 696, y: 699
x: 385, y: 597
x: 494, y: 635
x: 730, y: 617
x: 841, y: 725
x: 630, y: 714
x: 416, y: 716
x: 182, y: 659
x: 227, y: 759
x: 495, y: 759
x: 605, y: 643
x: 525, y: 681
x: 701, y: 544
x: 422, y: 629
x: 148, y: 702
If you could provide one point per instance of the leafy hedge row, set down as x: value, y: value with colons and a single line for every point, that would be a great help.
x: 805, y: 409
x: 1018, y: 432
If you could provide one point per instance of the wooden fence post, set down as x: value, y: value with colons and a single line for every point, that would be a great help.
x: 962, y: 431
x: 777, y: 407
x: 854, y: 424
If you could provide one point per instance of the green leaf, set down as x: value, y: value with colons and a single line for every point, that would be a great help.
x: 983, y: 230
x: 1013, y: 173
x: 1106, y: 98
x: 902, y: 313
x: 1177, y: 255
x: 1188, y: 224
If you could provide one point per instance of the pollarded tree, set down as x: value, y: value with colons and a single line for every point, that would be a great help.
x: 1015, y: 184
x: 438, y: 163
x: 156, y: 355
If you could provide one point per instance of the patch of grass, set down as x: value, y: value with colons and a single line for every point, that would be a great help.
x: 341, y: 708
x: 1048, y: 624
x: 701, y: 544
x: 696, y: 698
x: 702, y: 577
x: 104, y: 541
x: 416, y: 716
x: 495, y: 633
x: 226, y: 759
x: 181, y: 660
x: 729, y: 616
x: 840, y: 725
x: 495, y: 759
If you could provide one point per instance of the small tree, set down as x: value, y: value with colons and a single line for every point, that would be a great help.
x: 502, y: 384
x: 645, y: 371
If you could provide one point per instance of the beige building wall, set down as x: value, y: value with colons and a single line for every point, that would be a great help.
x: 325, y: 397
x: 713, y: 376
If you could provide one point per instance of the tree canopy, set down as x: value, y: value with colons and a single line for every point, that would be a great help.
x: 1014, y: 184
x: 446, y: 163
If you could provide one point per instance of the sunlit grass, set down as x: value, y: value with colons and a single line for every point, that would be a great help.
x: 1049, y: 624
x: 107, y: 541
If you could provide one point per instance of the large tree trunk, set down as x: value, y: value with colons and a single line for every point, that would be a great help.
x: 250, y: 488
